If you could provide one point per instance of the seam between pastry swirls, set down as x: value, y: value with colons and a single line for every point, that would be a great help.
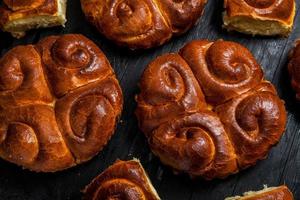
x: 164, y: 17
x: 77, y: 138
x: 260, y: 87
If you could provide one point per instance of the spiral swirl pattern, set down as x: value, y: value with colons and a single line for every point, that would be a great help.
x: 223, y: 69
x: 142, y: 23
x: 22, y: 78
x: 196, y: 144
x: 123, y: 180
x: 83, y: 113
x: 231, y: 127
x: 169, y: 88
x: 59, y: 103
x: 30, y: 137
x: 72, y: 62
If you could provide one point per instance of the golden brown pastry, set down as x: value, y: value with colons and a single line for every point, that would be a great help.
x: 263, y: 17
x: 59, y: 103
x: 294, y: 68
x: 19, y: 16
x: 142, y: 23
x: 272, y: 193
x: 207, y: 111
x: 122, y: 180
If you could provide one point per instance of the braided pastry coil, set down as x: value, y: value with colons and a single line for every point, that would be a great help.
x: 123, y: 180
x: 207, y: 111
x: 142, y: 23
x: 59, y: 103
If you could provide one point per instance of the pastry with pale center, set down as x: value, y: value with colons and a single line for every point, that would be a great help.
x: 272, y: 193
x: 260, y: 17
x: 19, y: 16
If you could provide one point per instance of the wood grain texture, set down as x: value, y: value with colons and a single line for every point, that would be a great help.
x: 281, y: 167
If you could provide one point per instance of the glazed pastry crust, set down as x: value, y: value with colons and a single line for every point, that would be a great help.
x: 142, y: 23
x: 124, y: 179
x: 59, y: 103
x: 276, y: 193
x: 19, y: 16
x: 268, y: 17
x: 207, y: 111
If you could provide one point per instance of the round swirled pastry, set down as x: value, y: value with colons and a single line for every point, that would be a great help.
x: 123, y: 180
x: 207, y: 110
x: 59, y: 103
x: 142, y: 23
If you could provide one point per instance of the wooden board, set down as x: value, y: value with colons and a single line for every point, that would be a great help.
x: 281, y: 167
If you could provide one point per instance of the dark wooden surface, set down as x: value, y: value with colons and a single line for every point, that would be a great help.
x: 281, y: 167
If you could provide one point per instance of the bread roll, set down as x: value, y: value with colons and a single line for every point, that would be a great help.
x: 59, y: 103
x: 208, y: 111
x: 142, y: 23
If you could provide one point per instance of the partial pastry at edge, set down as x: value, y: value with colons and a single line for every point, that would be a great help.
x: 142, y: 23
x: 294, y: 68
x: 59, y: 103
x: 208, y: 111
x: 268, y: 17
x: 274, y: 193
x: 122, y: 180
x: 19, y: 16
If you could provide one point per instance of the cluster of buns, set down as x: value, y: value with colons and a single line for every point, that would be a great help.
x: 207, y: 111
x: 19, y: 16
x: 272, y: 193
x: 59, y: 102
x: 264, y: 17
x: 142, y: 23
x: 149, y: 23
x: 123, y: 180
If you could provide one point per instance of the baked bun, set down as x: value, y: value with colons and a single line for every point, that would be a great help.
x: 59, y: 103
x: 272, y: 193
x: 263, y: 17
x: 19, y: 16
x: 142, y: 23
x: 122, y: 180
x: 294, y: 68
x: 207, y: 111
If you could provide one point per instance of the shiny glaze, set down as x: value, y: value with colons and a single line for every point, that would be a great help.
x: 124, y: 180
x: 278, y: 10
x: 142, y: 23
x: 59, y: 103
x: 207, y: 111
x: 19, y: 9
x: 278, y: 193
